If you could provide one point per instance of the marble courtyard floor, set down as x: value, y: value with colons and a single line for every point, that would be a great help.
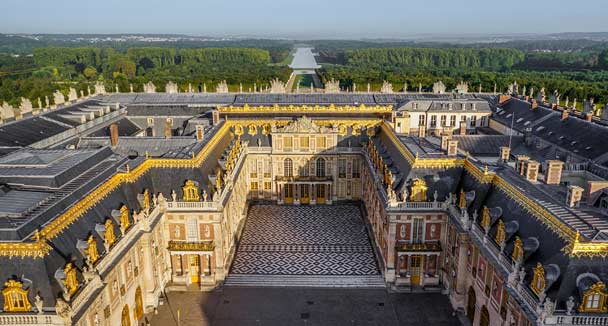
x: 305, y: 240
x: 304, y: 307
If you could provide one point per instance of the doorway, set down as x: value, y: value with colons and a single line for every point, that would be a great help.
x: 304, y: 194
x: 288, y: 193
x: 320, y: 194
x: 416, y: 269
x: 195, y: 269
x: 471, y: 305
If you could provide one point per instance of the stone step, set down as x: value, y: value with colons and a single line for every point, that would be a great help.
x: 314, y: 281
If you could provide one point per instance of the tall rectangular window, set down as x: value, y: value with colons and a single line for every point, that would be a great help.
x: 253, y: 169
x: 421, y: 121
x: 433, y: 121
x: 356, y: 168
x: 453, y: 120
x: 321, y: 142
x: 443, y: 120
x: 304, y: 143
x: 473, y: 121
x: 192, y: 229
x: 418, y: 230
x: 287, y: 143
x: 267, y: 169
x: 341, y: 168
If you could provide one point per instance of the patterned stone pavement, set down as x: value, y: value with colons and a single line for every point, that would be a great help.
x: 305, y: 240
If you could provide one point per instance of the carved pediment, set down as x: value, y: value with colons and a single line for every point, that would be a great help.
x: 302, y: 125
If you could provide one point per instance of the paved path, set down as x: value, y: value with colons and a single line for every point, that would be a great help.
x: 304, y: 307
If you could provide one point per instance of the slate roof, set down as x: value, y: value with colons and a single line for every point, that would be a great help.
x: 28, y: 131
x: 125, y: 128
x: 486, y: 145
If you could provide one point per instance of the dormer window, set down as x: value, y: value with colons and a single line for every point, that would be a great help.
x: 538, y: 280
x: 594, y: 299
x: 15, y: 297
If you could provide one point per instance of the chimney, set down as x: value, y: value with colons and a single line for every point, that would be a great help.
x: 114, y: 134
x: 505, y: 152
x: 554, y: 172
x: 200, y: 132
x: 168, y: 129
x: 422, y: 131
x: 503, y: 98
x: 588, y: 117
x: 595, y: 190
x: 452, y: 147
x: 574, y: 196
x: 444, y: 141
x: 531, y: 172
x: 216, y: 117
x: 520, y: 163
x: 534, y: 104
x: 463, y: 128
x: 565, y: 114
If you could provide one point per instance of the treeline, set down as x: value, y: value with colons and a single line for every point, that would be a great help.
x: 488, y: 59
x: 574, y: 84
x: 55, y: 68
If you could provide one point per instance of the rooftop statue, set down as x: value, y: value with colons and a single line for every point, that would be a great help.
x: 100, y: 88
x: 72, y: 95
x: 171, y: 88
x: 6, y: 112
x: 149, y: 87
x: 463, y: 88
x: 386, y: 88
x: 332, y: 86
x: 25, y: 106
x: 222, y: 87
x: 58, y: 98
x: 438, y: 87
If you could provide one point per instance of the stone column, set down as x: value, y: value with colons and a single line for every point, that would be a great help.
x: 147, y: 270
x: 219, y: 253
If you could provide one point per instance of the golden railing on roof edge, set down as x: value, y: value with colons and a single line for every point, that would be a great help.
x: 39, y: 248
x: 574, y: 248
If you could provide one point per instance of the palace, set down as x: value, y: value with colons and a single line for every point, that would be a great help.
x: 499, y: 201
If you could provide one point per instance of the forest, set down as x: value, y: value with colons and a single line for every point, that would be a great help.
x: 34, y: 68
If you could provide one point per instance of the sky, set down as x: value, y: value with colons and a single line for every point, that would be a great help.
x: 304, y: 18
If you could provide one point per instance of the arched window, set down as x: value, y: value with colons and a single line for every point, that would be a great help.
x: 139, y: 304
x: 288, y: 167
x: 320, y: 167
x: 125, y: 318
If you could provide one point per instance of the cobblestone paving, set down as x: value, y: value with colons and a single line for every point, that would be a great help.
x: 304, y: 307
x: 305, y: 240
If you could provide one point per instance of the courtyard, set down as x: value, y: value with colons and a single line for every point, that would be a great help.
x: 305, y: 240
x: 295, y: 306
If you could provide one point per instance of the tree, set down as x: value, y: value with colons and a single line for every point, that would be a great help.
x: 90, y: 72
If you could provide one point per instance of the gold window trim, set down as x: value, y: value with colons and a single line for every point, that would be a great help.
x: 15, y: 297
x: 190, y: 191
x: 538, y: 279
x: 419, y: 190
x: 598, y: 288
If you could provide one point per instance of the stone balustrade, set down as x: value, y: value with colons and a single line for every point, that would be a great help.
x: 30, y: 320
x: 577, y: 320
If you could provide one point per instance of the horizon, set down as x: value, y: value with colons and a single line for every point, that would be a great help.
x: 340, y: 19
